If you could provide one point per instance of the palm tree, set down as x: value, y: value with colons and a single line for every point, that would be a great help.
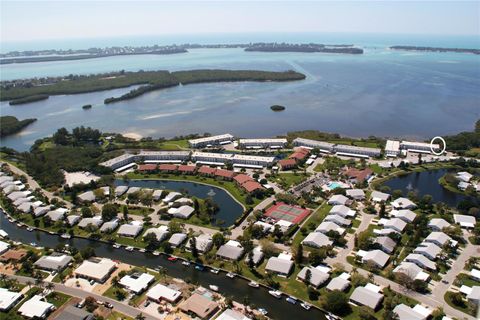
x: 115, y: 281
x: 39, y: 281
x: 3, y: 277
x: 29, y: 284
x: 140, y: 316
x: 50, y: 286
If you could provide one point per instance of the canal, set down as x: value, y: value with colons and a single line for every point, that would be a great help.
x: 236, y: 288
x: 426, y: 182
x: 228, y: 208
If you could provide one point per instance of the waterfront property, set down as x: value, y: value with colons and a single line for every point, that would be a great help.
x: 211, y: 141
x: 418, y: 147
x: 281, y: 265
x: 262, y: 143
x: 341, y: 283
x: 392, y: 148
x: 127, y: 160
x: 324, y: 147
x: 97, y: 269
x: 317, y: 276
x: 464, y: 221
x: 232, y: 250
x: 160, y: 292
x: 377, y: 196
x: 199, y: 305
x: 137, y: 282
x: 54, y: 262
x: 368, y: 296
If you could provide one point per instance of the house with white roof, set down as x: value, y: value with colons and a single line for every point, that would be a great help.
x: 109, y: 226
x: 172, y: 196
x: 8, y: 299
x: 95, y: 221
x: 405, y: 312
x: 385, y: 243
x: 57, y: 214
x: 97, y: 269
x: 267, y: 227
x: 474, y: 295
x: 342, y: 211
x: 368, y: 296
x: 464, y: 176
x: 130, y: 230
x: 355, y: 194
x: 464, y: 221
x: 177, y: 239
x: 36, y: 308
x: 203, y: 243
x: 421, y: 261
x: 160, y: 232
x: 157, y: 194
x: 375, y: 257
x: 137, y: 282
x: 183, y: 212
x: 342, y: 282
x: 339, y: 220
x: 395, y: 224
x: 3, y: 246
x: 281, y: 265
x: 338, y: 199
x: 317, y: 277
x: 87, y: 196
x: 73, y: 219
x: 257, y: 255
x: 317, y: 240
x: 232, y: 250
x: 54, y: 262
x: 437, y: 224
x: 440, y: 239
x: 378, y: 196
x: 429, y: 250
x: 284, y: 225
x: 160, y: 292
x: 406, y: 215
x: 120, y: 191
x: 403, y: 203
x: 327, y: 226
x: 411, y: 270
x: 475, y: 274
x: 230, y: 314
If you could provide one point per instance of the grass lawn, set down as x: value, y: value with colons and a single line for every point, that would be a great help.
x: 58, y: 299
x: 448, y: 299
x: 312, y: 222
x: 114, y: 293
x: 115, y: 315
x: 286, y: 180
x: 67, y: 271
x: 465, y: 279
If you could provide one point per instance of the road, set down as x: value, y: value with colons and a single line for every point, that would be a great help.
x: 34, y: 184
x: 434, y: 299
x: 75, y: 292
x: 238, y: 230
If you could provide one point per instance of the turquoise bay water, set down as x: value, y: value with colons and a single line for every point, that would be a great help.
x: 383, y: 92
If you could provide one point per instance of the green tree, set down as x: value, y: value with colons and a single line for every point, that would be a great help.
x: 109, y: 211
x: 335, y: 301
x: 299, y: 254
x: 218, y: 239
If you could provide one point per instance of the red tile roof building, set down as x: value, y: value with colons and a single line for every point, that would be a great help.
x: 206, y: 170
x: 358, y: 175
x: 299, y: 154
x: 186, y: 169
x: 147, y: 167
x: 251, y: 186
x: 225, y: 174
x: 167, y: 167
x: 286, y: 164
x: 242, y: 178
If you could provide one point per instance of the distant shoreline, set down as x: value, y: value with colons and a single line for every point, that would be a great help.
x: 435, y: 49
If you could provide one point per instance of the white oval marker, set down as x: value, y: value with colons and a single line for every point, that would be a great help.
x: 444, y: 146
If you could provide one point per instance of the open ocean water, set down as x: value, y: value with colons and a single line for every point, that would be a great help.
x: 382, y: 92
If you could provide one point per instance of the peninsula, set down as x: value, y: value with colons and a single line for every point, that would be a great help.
x: 19, y: 90
x: 311, y: 47
x: 436, y: 49
x: 10, y: 125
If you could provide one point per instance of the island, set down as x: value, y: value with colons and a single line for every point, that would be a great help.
x: 10, y: 125
x: 19, y: 90
x: 277, y: 108
x: 308, y: 48
x: 436, y: 49
x: 34, y: 98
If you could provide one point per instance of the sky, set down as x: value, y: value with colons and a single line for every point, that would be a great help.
x: 41, y: 20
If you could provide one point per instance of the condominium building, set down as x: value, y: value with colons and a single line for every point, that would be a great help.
x: 210, y: 141
x: 262, y: 143
x: 392, y: 148
x: 354, y: 151
x: 418, y: 147
x: 324, y: 147
x: 256, y: 162
x: 210, y: 158
x: 128, y: 160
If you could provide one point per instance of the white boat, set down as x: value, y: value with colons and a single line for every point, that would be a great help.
x: 30, y: 229
x: 277, y: 294
x: 141, y: 250
x: 156, y: 253
x: 213, y: 288
x: 19, y: 225
x: 186, y: 263
x: 330, y: 316
x: 51, y: 232
x: 262, y: 311
x: 305, y: 305
x: 66, y: 236
x: 33, y: 244
x: 253, y: 284
x: 3, y: 234
x: 231, y: 275
x: 116, y: 246
x: 129, y: 248
x: 214, y: 270
x: 291, y: 300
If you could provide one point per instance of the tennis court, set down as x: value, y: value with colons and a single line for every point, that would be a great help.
x: 282, y: 211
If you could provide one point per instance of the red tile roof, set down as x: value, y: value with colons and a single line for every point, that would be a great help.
x: 359, y: 175
x: 167, y: 167
x: 185, y: 168
x: 224, y: 173
x: 251, y: 186
x: 300, y: 154
x: 287, y: 163
x: 242, y: 178
x: 147, y: 167
x: 206, y: 170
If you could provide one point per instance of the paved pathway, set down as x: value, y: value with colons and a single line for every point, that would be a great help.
x: 74, y: 292
x: 238, y: 231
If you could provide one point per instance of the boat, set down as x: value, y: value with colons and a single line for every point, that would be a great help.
x: 10, y: 219
x: 33, y: 244
x: 156, y: 253
x: 305, y: 305
x: 277, y: 294
x: 186, y: 263
x: 51, y: 232
x: 231, y: 275
x: 199, y: 267
x: 66, y: 236
x: 330, y: 316
x: 129, y: 248
x: 291, y: 300
x: 3, y: 234
x: 253, y: 284
x: 142, y: 250
x: 19, y: 225
x: 30, y: 229
x: 214, y: 270
x: 116, y: 246
x: 262, y: 311
x: 213, y: 288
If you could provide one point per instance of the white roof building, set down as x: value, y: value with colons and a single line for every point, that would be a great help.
x: 405, y: 312
x: 406, y: 215
x: 160, y: 292
x: 378, y: 196
x: 267, y: 227
x: 437, y: 224
x: 327, y: 226
x: 464, y: 176
x: 160, y: 232
x: 88, y: 196
x: 8, y: 299
x: 317, y: 277
x: 36, y: 307
x: 403, y: 203
x: 421, y: 261
x: 171, y: 196
x: 177, y: 239
x: 120, y: 191
x: 341, y: 282
x: 203, y: 243
x: 95, y: 221
x: 439, y: 238
x: 73, y: 219
x: 343, y: 211
x: 57, y: 214
x: 338, y: 220
x: 366, y: 296
x: 281, y: 264
x: 137, y: 283
x: 230, y: 314
x: 109, y: 226
x: 40, y: 211
x: 3, y: 246
x: 428, y: 249
x: 411, y: 270
x: 317, y: 240
x: 232, y: 250
x: 394, y: 223
x: 131, y: 229
x: 392, y: 148
x: 337, y: 199
x: 356, y: 194
x: 377, y: 257
x: 98, y: 269
x: 183, y: 212
x: 464, y: 221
